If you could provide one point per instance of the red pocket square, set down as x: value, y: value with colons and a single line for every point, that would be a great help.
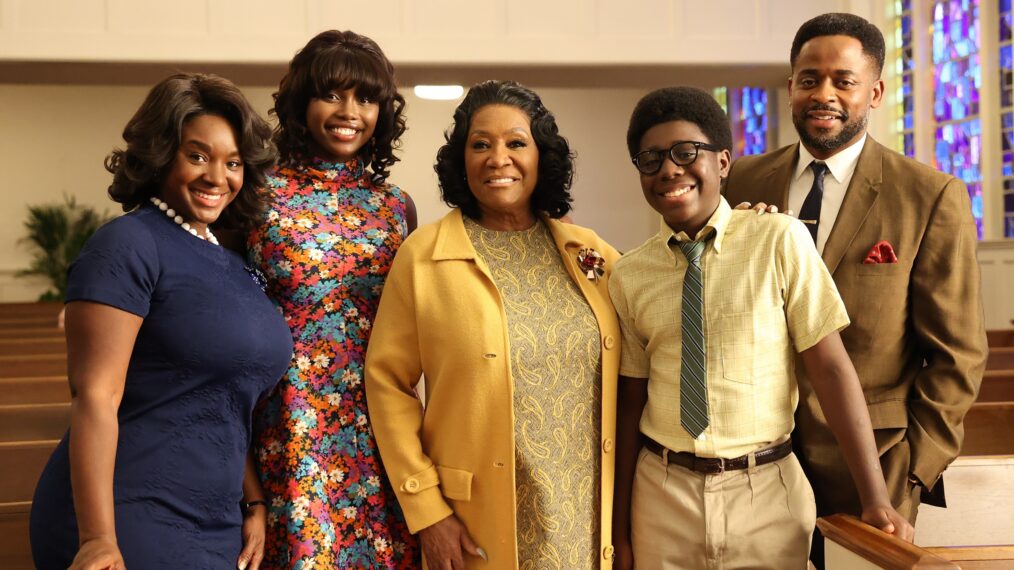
x: 881, y: 253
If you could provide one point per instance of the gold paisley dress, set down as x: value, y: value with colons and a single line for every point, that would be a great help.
x: 555, y: 364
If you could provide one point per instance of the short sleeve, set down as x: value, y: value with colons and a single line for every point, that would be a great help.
x: 117, y: 267
x: 813, y: 307
x: 634, y: 361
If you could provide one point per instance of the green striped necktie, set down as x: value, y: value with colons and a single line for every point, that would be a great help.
x: 694, y: 367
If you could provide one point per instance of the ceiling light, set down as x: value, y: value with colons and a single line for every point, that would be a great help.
x: 439, y: 92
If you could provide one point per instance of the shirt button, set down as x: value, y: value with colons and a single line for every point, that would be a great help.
x: 412, y: 485
x: 607, y: 445
x: 607, y: 552
x: 702, y: 437
x: 609, y: 342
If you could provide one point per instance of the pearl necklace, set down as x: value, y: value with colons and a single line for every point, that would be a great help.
x: 171, y: 214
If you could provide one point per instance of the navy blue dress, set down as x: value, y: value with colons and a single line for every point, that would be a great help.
x: 210, y: 346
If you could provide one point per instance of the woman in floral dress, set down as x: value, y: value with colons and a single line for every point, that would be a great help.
x: 325, y: 246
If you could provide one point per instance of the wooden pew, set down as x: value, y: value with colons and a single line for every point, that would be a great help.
x: 997, y: 386
x: 1000, y: 358
x: 32, y: 346
x: 988, y: 429
x: 18, y: 366
x: 48, y: 331
x: 1000, y: 337
x: 40, y: 390
x: 15, y: 553
x: 31, y: 422
x: 47, y: 310
x: 21, y: 463
x: 27, y: 322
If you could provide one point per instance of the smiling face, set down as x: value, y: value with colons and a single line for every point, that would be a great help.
x: 206, y: 173
x: 341, y: 123
x: 502, y: 166
x: 686, y: 196
x: 832, y: 89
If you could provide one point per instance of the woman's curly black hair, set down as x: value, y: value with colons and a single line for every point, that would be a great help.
x: 154, y: 133
x: 335, y: 60
x: 556, y: 161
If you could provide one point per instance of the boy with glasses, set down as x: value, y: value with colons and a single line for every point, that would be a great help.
x: 713, y: 311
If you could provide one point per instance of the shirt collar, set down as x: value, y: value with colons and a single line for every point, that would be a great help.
x: 716, y: 224
x: 841, y: 165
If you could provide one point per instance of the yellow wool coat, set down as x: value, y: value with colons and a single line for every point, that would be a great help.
x: 441, y: 315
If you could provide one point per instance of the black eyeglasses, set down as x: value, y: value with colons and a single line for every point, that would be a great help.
x: 682, y: 153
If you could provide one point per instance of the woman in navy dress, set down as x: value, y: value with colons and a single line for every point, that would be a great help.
x: 170, y: 343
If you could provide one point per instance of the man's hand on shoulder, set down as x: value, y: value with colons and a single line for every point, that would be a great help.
x: 761, y: 208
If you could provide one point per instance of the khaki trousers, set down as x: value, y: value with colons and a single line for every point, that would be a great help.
x: 762, y: 517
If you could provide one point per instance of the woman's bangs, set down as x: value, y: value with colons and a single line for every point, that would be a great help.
x: 340, y: 70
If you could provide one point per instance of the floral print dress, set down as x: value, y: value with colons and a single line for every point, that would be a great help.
x: 325, y: 247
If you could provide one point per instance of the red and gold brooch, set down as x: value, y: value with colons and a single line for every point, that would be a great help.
x: 592, y: 263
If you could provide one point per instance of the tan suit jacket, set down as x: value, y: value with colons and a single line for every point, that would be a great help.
x: 441, y: 315
x: 917, y: 338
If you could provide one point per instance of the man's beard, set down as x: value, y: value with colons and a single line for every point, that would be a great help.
x: 828, y: 142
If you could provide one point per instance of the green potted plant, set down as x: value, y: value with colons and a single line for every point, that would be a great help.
x: 55, y: 235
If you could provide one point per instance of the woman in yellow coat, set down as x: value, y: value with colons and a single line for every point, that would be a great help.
x: 505, y: 311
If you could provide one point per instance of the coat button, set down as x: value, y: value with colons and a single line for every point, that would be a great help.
x: 607, y: 552
x: 412, y: 485
x: 609, y: 342
x: 607, y: 445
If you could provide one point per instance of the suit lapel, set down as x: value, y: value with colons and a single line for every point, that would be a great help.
x: 776, y: 180
x: 860, y: 197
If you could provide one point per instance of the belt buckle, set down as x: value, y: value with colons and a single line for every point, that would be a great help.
x: 709, y: 465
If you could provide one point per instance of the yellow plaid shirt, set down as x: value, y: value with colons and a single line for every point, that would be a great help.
x: 767, y: 295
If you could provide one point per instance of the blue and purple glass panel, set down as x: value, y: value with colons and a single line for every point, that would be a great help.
x: 956, y: 89
x: 1007, y: 116
x: 753, y: 120
x: 957, y: 152
x: 1006, y: 68
x: 904, y: 66
x: 955, y: 29
x: 1006, y: 23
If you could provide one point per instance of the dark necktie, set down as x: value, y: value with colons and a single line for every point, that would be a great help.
x: 693, y: 367
x: 809, y: 214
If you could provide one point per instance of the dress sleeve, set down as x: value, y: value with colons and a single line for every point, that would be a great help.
x: 119, y: 267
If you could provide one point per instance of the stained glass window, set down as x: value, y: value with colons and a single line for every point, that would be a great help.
x: 903, y: 70
x: 1006, y: 117
x: 751, y: 133
x: 748, y: 113
x: 721, y: 94
x: 956, y: 82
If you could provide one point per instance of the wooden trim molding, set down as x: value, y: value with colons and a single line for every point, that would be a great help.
x: 975, y: 553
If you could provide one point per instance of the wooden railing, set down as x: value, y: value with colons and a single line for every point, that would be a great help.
x: 851, y: 544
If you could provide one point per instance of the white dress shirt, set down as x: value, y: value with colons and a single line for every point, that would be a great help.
x: 841, y: 166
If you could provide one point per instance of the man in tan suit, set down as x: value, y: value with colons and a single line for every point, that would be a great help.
x: 900, y: 242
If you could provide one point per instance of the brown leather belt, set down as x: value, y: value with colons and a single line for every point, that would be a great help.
x: 713, y: 465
